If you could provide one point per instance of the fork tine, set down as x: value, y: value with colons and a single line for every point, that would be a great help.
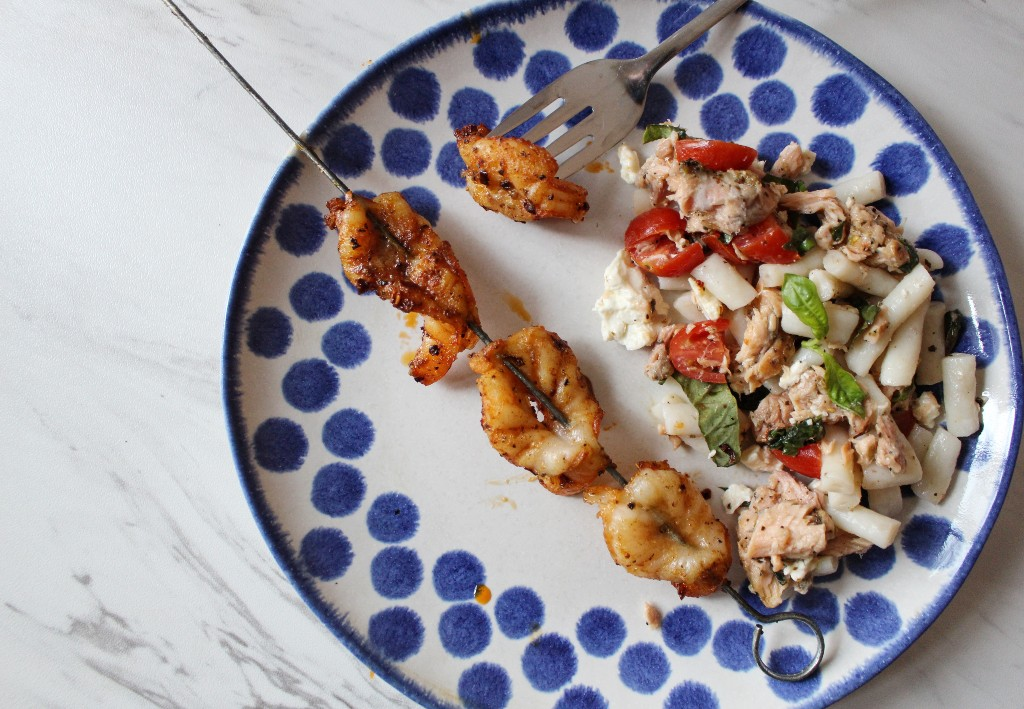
x: 589, y: 153
x: 572, y: 136
x: 526, y: 111
x: 557, y: 117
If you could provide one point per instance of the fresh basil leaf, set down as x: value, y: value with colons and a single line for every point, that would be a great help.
x: 718, y: 417
x: 657, y: 131
x: 914, y: 258
x: 801, y: 296
x: 791, y: 439
x: 802, y: 240
x: 953, y: 321
x: 842, y: 387
x: 868, y: 312
x: 838, y: 233
x: 791, y: 185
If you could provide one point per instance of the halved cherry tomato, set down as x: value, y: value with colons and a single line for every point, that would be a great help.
x: 807, y: 460
x: 715, y: 154
x: 698, y: 351
x: 766, y: 242
x: 714, y: 243
x: 651, y: 249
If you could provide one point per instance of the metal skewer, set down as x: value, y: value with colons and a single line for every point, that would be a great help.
x: 540, y: 396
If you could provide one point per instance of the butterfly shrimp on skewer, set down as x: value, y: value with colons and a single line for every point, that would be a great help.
x: 659, y: 526
x: 516, y: 178
x: 386, y: 247
x: 566, y: 457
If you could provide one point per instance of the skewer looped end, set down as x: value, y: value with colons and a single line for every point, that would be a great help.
x: 815, y: 662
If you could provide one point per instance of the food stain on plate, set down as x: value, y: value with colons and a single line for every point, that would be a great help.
x: 516, y: 305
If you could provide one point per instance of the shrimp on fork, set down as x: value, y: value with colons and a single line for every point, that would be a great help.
x: 386, y: 247
x: 565, y: 457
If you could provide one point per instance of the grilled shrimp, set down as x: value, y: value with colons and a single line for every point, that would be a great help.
x: 660, y: 527
x: 565, y: 458
x: 516, y: 178
x: 416, y: 271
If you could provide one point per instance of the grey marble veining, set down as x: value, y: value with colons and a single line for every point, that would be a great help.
x: 134, y: 573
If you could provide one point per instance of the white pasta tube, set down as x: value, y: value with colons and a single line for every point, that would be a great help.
x: 838, y: 473
x: 686, y: 308
x: 933, y: 345
x: 914, y: 290
x: 875, y: 477
x: 931, y: 259
x: 771, y: 275
x: 829, y: 287
x: 886, y: 501
x: 865, y: 188
x: 939, y: 464
x: 842, y: 321
x: 673, y: 283
x: 875, y: 281
x: 900, y: 360
x: 959, y: 391
x: 705, y: 300
x: 919, y: 438
x: 865, y: 523
x: 874, y: 394
x: 676, y: 416
x: 724, y: 282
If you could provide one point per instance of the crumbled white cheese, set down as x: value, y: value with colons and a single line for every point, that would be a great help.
x: 926, y: 409
x: 705, y: 301
x: 629, y: 164
x: 735, y: 496
x: 631, y: 308
x: 675, y: 415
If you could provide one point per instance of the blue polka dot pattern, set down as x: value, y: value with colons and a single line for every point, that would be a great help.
x: 772, y: 145
x: 485, y: 685
x: 348, y: 433
x: 346, y: 344
x: 699, y: 76
x: 691, y: 695
x: 643, y: 668
x: 835, y: 155
x: 280, y: 445
x: 591, y: 26
x: 601, y: 631
x: 626, y: 50
x: 338, y: 490
x: 499, y: 54
x: 981, y: 339
x: 952, y: 243
x: 396, y: 632
x: 316, y: 296
x: 871, y: 618
x: 405, y: 152
x: 758, y: 53
x: 424, y: 202
x: 415, y: 94
x: 456, y: 575
x: 310, y: 385
x: 465, y: 630
x: 821, y: 605
x: 301, y: 230
x: 661, y: 106
x: 674, y: 17
x: 772, y: 102
x: 519, y: 612
x: 393, y: 517
x: 450, y: 165
x: 731, y: 645
x: 581, y: 698
x: 839, y: 100
x: 544, y: 67
x: 470, y: 106
x: 873, y: 564
x: 349, y: 152
x: 686, y: 629
x: 905, y: 167
x: 396, y: 572
x: 930, y: 541
x: 326, y: 552
x: 789, y: 660
x: 724, y: 117
x: 268, y: 333
x: 549, y: 662
x: 889, y: 209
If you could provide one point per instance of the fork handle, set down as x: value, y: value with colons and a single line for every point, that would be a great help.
x: 645, y: 67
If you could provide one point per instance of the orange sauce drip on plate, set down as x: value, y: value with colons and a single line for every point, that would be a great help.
x: 482, y: 594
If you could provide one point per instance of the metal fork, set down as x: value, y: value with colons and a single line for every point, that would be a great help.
x: 614, y: 91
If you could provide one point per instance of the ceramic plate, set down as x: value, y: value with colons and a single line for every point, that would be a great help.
x: 447, y: 570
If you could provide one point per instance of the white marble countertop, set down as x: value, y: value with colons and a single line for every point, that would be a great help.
x: 134, y: 573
